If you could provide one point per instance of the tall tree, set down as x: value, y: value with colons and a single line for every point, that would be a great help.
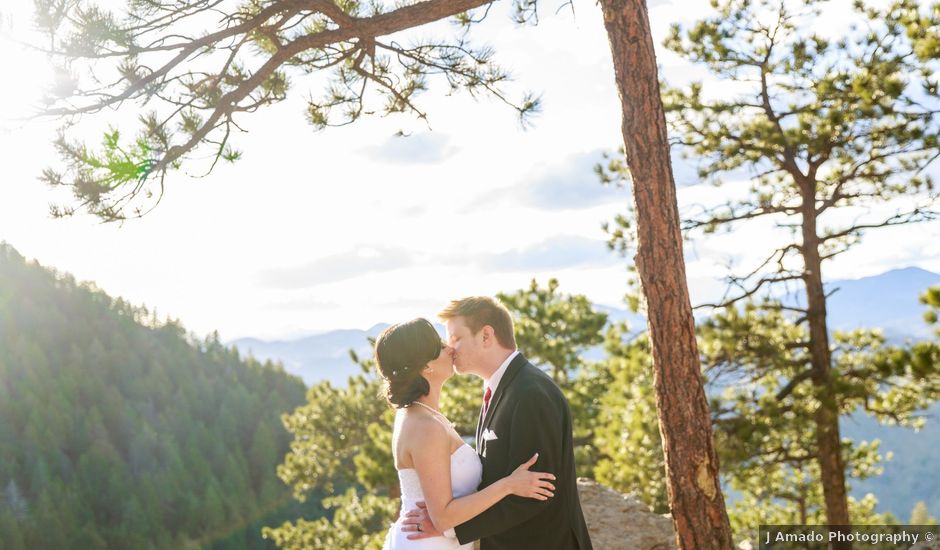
x: 822, y: 124
x: 695, y: 497
x: 764, y: 413
x: 199, y: 85
x: 920, y: 515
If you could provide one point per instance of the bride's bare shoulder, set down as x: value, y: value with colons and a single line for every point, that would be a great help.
x: 417, y: 427
x: 418, y: 435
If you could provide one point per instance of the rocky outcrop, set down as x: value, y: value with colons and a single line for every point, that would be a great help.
x: 622, y: 522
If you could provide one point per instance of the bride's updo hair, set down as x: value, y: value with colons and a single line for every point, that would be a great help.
x: 402, y: 351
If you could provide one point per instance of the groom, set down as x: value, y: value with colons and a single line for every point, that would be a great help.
x: 523, y: 412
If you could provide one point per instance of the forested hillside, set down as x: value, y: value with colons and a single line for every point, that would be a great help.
x: 121, y: 431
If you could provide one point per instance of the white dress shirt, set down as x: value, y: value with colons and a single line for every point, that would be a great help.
x: 493, y: 382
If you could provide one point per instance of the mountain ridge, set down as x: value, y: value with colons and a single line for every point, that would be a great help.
x: 891, y: 297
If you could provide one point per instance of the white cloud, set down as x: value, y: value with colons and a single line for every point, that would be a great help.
x: 560, y: 252
x: 336, y: 267
x: 422, y: 148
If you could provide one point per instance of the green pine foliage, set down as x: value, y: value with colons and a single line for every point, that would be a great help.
x: 120, y: 431
x: 931, y: 298
x: 342, y: 446
x: 627, y: 433
x: 921, y: 516
x: 359, y: 521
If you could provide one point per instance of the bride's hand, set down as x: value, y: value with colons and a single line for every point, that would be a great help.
x: 528, y: 484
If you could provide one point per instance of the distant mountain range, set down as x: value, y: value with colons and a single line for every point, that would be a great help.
x: 323, y: 356
x: 888, y: 301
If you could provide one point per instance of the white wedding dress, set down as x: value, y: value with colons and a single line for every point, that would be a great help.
x: 466, y: 471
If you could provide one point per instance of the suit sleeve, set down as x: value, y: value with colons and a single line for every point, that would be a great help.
x: 536, y: 427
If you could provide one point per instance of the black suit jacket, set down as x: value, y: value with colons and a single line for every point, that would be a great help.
x: 528, y: 414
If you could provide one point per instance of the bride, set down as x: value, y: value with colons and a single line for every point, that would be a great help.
x: 434, y: 464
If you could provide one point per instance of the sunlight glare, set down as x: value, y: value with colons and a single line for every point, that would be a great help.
x: 27, y: 72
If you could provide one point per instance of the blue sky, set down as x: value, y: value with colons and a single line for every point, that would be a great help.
x: 352, y: 226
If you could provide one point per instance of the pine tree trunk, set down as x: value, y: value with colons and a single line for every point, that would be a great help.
x: 695, y: 498
x: 828, y: 439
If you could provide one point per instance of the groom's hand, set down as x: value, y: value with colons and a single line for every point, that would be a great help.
x: 418, y: 523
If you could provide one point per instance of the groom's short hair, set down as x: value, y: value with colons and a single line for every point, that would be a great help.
x: 479, y: 311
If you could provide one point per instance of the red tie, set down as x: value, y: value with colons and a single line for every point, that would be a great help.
x: 486, y: 399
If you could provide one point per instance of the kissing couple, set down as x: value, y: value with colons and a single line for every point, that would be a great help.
x: 517, y: 489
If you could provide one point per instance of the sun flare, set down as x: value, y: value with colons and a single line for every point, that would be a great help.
x: 27, y: 71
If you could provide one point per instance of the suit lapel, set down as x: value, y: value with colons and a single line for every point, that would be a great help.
x: 511, y: 371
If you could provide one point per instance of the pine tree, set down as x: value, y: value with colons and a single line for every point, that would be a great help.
x: 628, y: 437
x: 920, y: 515
x: 554, y: 329
x: 10, y: 536
x: 14, y: 502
